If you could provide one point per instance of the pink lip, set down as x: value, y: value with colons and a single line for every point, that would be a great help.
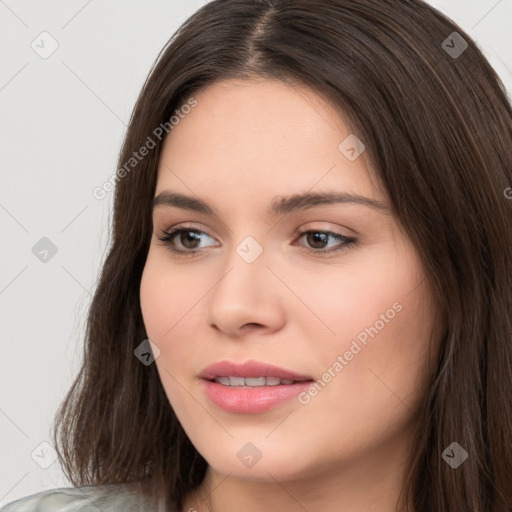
x: 248, y: 369
x: 247, y: 400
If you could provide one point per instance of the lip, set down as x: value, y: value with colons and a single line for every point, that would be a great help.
x: 249, y: 369
x: 246, y: 400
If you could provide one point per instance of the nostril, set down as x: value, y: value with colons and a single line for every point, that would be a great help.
x: 252, y: 324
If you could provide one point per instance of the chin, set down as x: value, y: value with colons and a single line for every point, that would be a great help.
x: 258, y: 459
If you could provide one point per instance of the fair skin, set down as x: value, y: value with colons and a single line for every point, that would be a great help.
x: 294, y: 306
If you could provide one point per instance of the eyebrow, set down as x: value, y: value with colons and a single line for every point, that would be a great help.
x: 280, y: 205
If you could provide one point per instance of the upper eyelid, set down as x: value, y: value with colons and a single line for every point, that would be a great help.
x: 298, y: 231
x: 179, y: 227
x: 304, y: 226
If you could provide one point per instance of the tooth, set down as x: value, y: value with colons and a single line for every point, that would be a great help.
x: 255, y: 381
x: 252, y: 381
x: 236, y: 381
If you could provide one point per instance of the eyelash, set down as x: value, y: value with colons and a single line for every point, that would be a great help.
x: 167, y: 237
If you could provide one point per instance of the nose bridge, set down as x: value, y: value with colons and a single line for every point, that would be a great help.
x: 244, y: 272
x: 245, y: 293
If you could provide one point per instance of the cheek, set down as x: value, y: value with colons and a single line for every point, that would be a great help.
x: 346, y: 299
x: 385, y: 360
x: 156, y: 304
x: 164, y: 304
x: 166, y: 297
x: 373, y: 393
x: 380, y: 318
x: 172, y: 304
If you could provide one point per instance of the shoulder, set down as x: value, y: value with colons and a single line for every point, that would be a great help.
x: 91, y: 498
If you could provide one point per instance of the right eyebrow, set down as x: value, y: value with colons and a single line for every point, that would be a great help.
x: 167, y: 198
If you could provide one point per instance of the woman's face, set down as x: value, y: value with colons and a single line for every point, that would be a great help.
x: 331, y: 292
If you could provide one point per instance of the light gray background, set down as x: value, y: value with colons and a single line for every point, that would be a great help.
x: 62, y: 122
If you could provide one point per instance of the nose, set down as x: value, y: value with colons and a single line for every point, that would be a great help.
x: 247, y: 298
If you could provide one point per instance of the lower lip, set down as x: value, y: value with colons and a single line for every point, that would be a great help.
x: 250, y: 400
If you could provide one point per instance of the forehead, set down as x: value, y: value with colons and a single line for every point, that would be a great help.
x: 268, y: 111
x: 262, y: 134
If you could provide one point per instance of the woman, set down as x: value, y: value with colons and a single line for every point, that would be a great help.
x: 307, y: 301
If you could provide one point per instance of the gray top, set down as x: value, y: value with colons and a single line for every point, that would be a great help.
x: 88, y: 498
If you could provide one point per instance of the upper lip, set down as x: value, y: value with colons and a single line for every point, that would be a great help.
x: 248, y: 369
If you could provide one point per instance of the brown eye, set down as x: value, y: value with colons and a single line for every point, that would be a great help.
x: 317, y: 240
x: 183, y: 240
x: 189, y: 239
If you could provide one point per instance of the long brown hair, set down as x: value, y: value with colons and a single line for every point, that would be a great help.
x: 437, y: 126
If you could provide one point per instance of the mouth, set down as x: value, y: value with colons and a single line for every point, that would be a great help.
x: 253, y: 382
x: 252, y: 373
x: 251, y: 387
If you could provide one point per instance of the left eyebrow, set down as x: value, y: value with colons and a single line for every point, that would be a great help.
x: 289, y: 204
x: 279, y: 206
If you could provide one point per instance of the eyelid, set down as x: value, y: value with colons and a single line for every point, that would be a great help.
x: 346, y: 241
x: 169, y: 234
x: 188, y: 227
x: 312, y: 226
